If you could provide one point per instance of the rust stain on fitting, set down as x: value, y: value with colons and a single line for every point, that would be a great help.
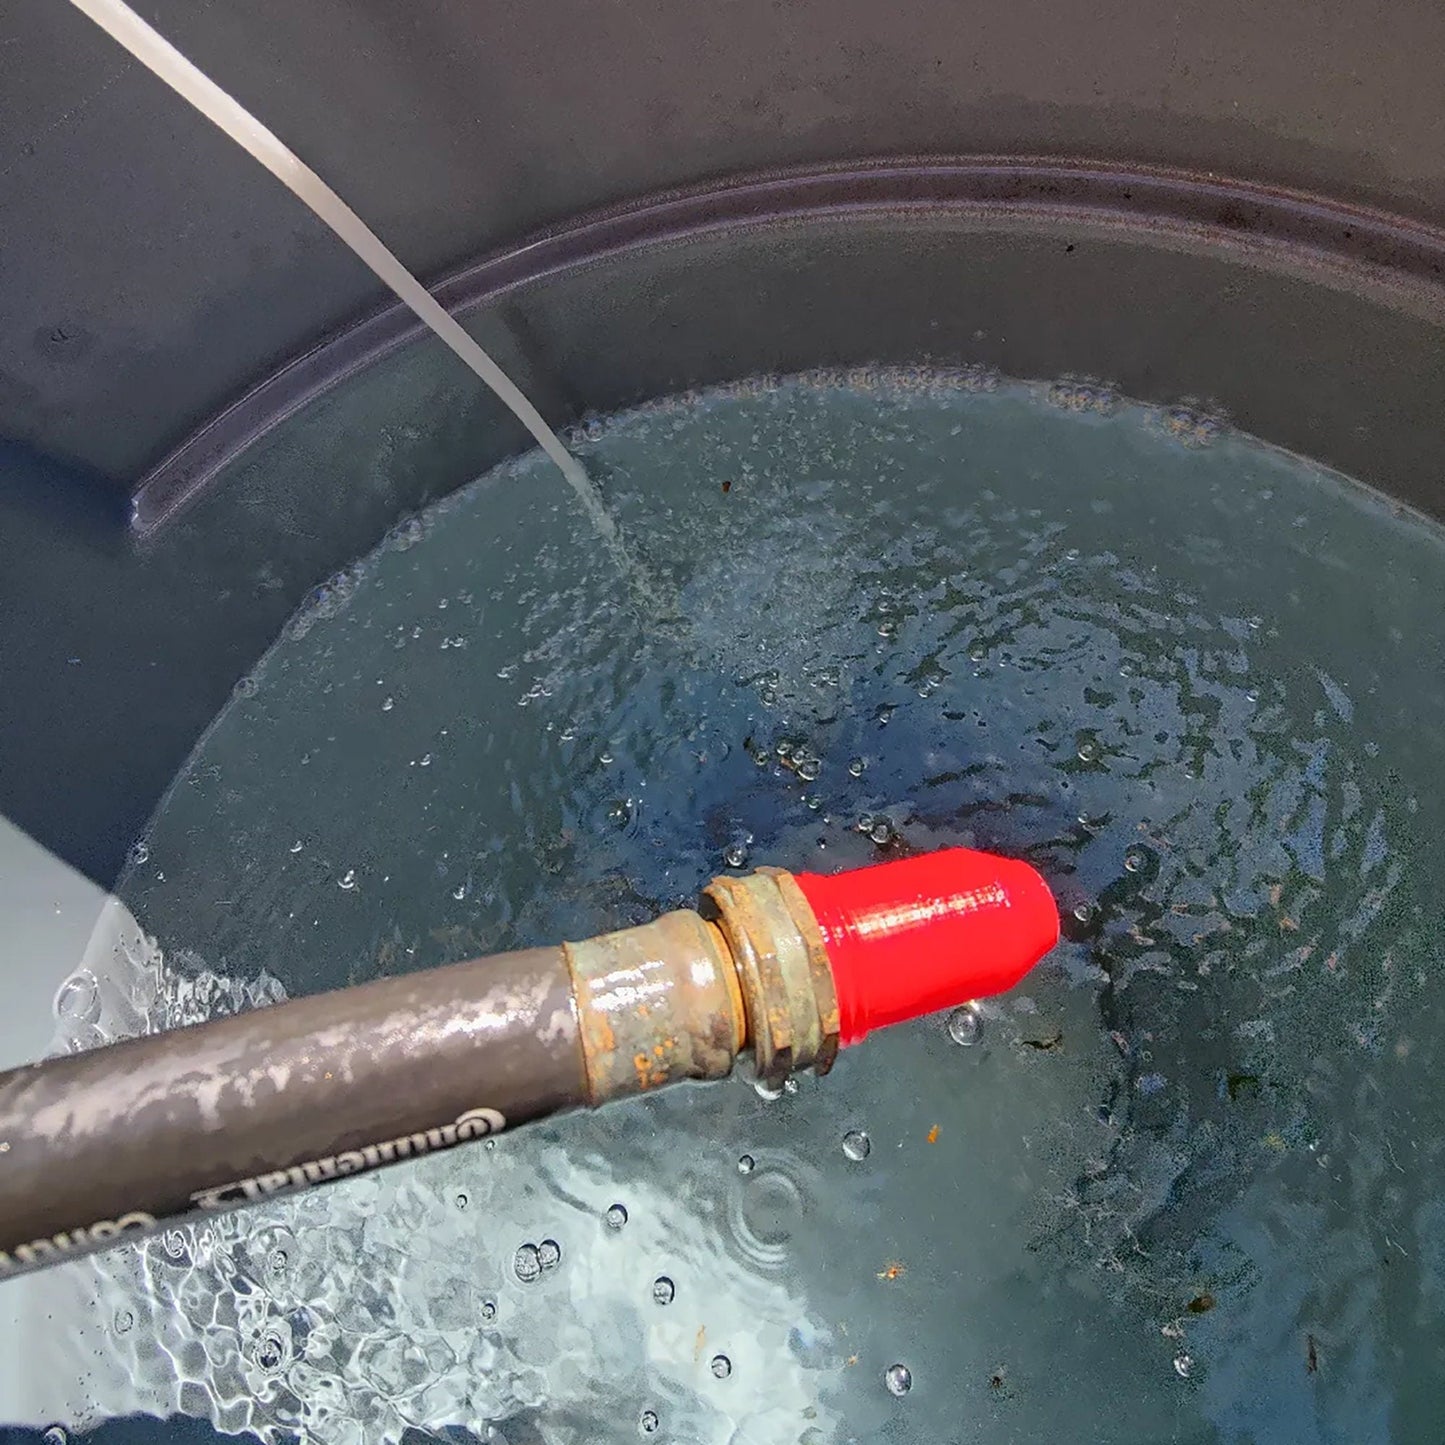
x: 655, y: 1004
x: 787, y: 984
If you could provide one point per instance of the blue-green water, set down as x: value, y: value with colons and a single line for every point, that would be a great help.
x: 1184, y: 1185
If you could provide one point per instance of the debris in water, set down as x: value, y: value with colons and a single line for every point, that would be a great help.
x: 1054, y: 1041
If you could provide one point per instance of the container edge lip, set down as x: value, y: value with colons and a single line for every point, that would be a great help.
x: 1349, y: 245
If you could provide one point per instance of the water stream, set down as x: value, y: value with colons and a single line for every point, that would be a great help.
x: 159, y: 56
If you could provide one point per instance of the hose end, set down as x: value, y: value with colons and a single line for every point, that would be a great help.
x: 922, y: 934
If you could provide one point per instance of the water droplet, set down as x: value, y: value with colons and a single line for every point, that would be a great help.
x: 1089, y: 749
x: 425, y: 760
x: 1183, y: 1365
x: 140, y: 851
x: 881, y: 832
x: 856, y: 767
x: 735, y: 855
x: 965, y: 1025
x: 277, y: 1263
x: 809, y: 768
x: 864, y: 823
x: 899, y: 1379
x: 812, y: 801
x: 56, y: 1435
x: 722, y: 1367
x: 1133, y: 860
x: 1085, y: 912
x: 387, y: 704
x: 977, y: 653
x: 790, y: 1086
x: 647, y: 1422
x: 616, y: 1216
x: 1072, y: 555
x: 174, y: 1244
x: 526, y: 1265
x: 549, y: 1254
x: 124, y: 1319
x: 347, y: 881
x: 746, y: 1163
x: 297, y: 846
x: 461, y: 1201
x: 488, y: 1311
x: 663, y: 1290
x: 857, y: 1145
x: 459, y: 892
x: 888, y: 628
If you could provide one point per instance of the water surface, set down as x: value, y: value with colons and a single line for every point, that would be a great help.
x: 1182, y: 1185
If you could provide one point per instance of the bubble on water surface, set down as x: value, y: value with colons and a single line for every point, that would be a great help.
x: 527, y: 1263
x: 965, y: 1025
x: 77, y: 1000
x: 898, y: 1379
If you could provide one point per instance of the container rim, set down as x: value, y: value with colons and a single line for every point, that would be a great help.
x: 1343, y: 245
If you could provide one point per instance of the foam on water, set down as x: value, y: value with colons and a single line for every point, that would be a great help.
x: 1184, y: 1184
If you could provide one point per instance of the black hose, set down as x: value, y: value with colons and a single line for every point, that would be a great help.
x: 115, y: 1143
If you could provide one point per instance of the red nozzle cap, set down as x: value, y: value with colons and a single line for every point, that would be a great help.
x: 928, y: 933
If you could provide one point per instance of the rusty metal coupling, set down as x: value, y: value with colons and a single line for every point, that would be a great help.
x: 681, y: 998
